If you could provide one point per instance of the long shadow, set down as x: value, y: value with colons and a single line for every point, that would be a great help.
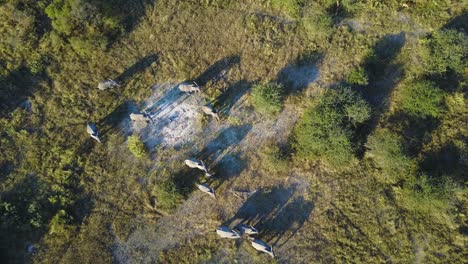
x: 115, y: 118
x: 167, y: 102
x: 261, y: 206
x: 290, y: 218
x: 299, y: 74
x: 139, y: 66
x: 448, y: 161
x: 219, y: 151
x: 216, y: 70
x: 223, y: 144
x: 459, y: 23
x: 274, y: 212
x: 15, y: 89
x: 384, y: 74
x: 231, y: 165
x: 185, y: 180
x: 224, y: 102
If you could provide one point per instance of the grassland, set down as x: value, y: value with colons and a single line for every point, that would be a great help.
x: 375, y: 174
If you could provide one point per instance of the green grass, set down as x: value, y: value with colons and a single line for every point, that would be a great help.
x: 387, y: 151
x: 357, y: 77
x: 267, y: 98
x: 137, y: 147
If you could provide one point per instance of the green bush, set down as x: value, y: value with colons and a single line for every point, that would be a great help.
x: 386, y: 149
x: 423, y: 99
x: 325, y: 130
x: 167, y: 196
x: 267, y: 98
x: 137, y: 147
x: 88, y: 25
x: 357, y: 77
x: 84, y: 46
x: 448, y: 50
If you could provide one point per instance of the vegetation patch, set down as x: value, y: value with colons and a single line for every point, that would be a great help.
x: 267, y: 98
x: 387, y: 151
x: 137, y: 147
x: 423, y: 99
x: 327, y: 128
x: 358, y: 77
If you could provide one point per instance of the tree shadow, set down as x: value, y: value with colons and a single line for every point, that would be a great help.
x: 299, y: 74
x: 25, y: 220
x: 448, y: 161
x: 384, y: 75
x: 15, y: 89
x: 338, y: 12
x: 415, y: 130
x: 128, y: 12
x: 459, y: 23
x: 224, y: 102
x: 136, y: 68
x: 217, y: 70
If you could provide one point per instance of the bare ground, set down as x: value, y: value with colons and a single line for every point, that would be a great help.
x: 225, y: 148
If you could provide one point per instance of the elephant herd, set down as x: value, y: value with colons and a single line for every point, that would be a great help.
x: 222, y: 231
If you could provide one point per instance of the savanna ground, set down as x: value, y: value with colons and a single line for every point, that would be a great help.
x: 396, y: 194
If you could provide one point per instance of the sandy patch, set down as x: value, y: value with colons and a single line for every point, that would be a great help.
x: 175, y: 115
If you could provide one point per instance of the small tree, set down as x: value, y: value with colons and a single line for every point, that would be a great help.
x: 447, y: 51
x: 137, y: 147
x: 325, y: 130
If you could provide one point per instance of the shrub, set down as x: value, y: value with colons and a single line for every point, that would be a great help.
x: 58, y: 223
x: 422, y: 99
x: 326, y: 130
x: 386, y: 149
x: 85, y: 46
x: 137, y: 147
x: 267, y: 98
x: 87, y: 24
x: 357, y: 77
x: 167, y: 196
x: 448, y: 50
